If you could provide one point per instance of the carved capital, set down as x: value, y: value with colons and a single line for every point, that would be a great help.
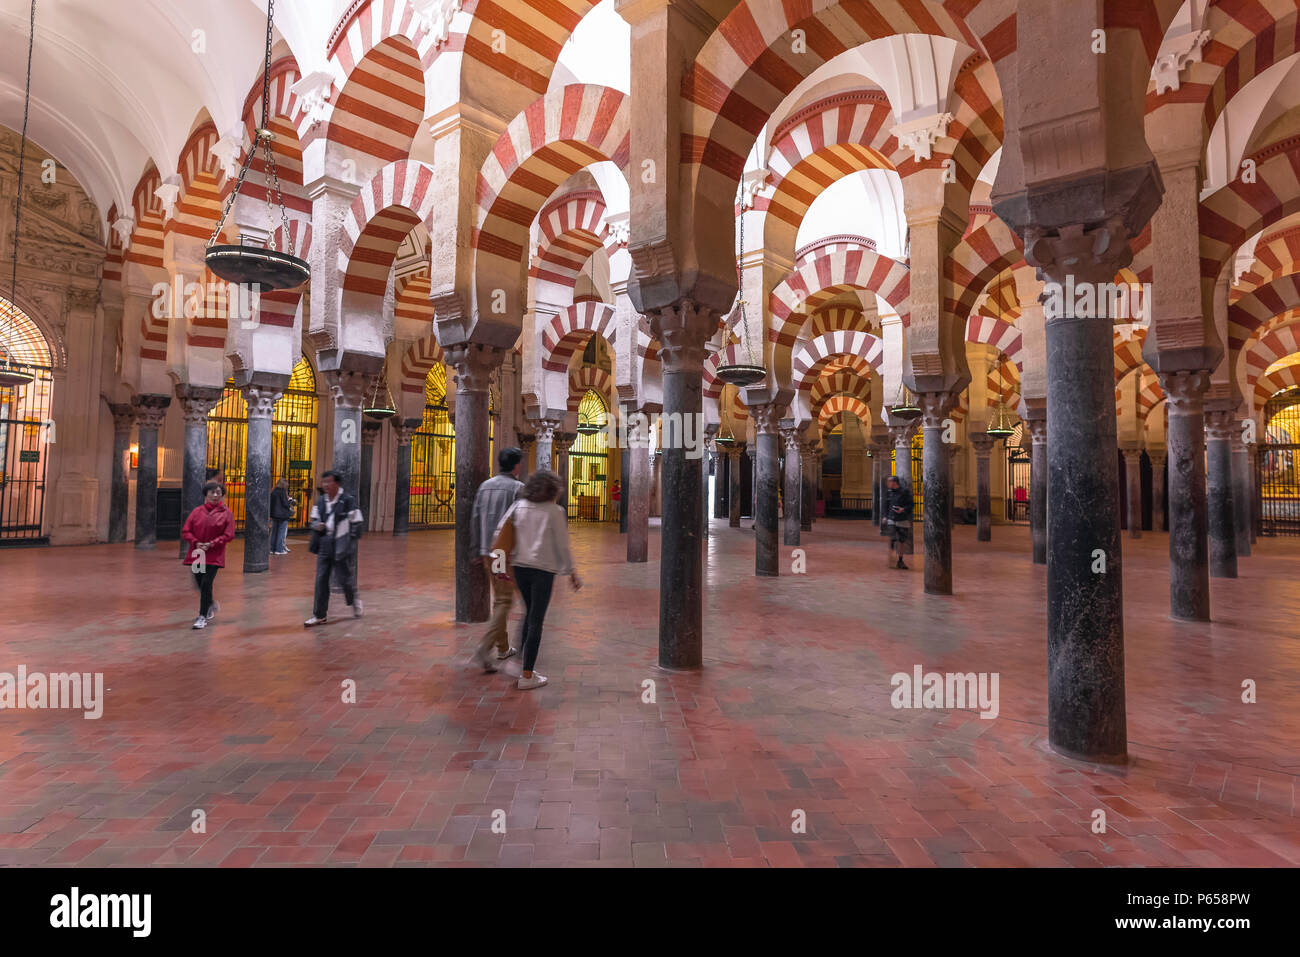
x: 791, y: 439
x: 1185, y: 390
x: 1221, y: 424
x: 546, y: 429
x: 474, y: 364
x: 1076, y: 254
x: 197, y: 402
x: 935, y: 407
x: 150, y: 410
x: 123, y: 416
x: 370, y: 431
x: 1157, y: 457
x: 562, y: 442
x: 920, y: 135
x: 902, y: 435
x: 767, y: 418
x: 82, y: 299
x: 982, y: 443
x: 349, y: 389
x: 1037, y: 429
x: 261, y: 400
x: 1132, y: 456
x: 682, y: 331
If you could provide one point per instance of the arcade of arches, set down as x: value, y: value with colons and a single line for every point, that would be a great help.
x: 1071, y: 326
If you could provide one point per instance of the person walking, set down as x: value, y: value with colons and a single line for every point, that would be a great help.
x: 208, y: 528
x: 493, y: 499
x: 898, y: 510
x: 282, y: 511
x: 535, y: 535
x: 336, y: 525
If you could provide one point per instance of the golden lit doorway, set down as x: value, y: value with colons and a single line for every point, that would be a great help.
x: 293, y: 442
x: 26, y: 428
x: 589, y: 486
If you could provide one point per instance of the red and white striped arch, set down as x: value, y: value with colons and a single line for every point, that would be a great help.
x: 146, y: 250
x: 824, y: 276
x: 571, y: 229
x: 411, y: 302
x: 588, y: 377
x: 1002, y: 336
x: 1273, y: 383
x: 1252, y: 312
x: 417, y: 360
x: 114, y: 255
x: 1128, y: 353
x: 1274, y: 346
x: 983, y: 252
x: 517, y: 62
x: 831, y: 412
x: 811, y: 356
x: 1276, y: 255
x: 837, y: 316
x: 377, y: 112
x: 198, y: 205
x: 558, y: 134
x: 284, y: 119
x: 396, y: 200
x: 840, y: 382
x: 568, y: 332
x: 734, y: 353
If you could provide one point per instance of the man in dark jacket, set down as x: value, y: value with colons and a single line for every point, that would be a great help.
x: 898, y: 510
x: 336, y: 526
x: 282, y: 508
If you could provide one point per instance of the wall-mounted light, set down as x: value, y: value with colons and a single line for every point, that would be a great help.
x: 135, y: 456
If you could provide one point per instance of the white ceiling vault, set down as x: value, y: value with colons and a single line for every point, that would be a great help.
x: 117, y: 84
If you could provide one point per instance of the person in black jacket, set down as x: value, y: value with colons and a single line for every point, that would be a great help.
x: 898, y: 510
x: 282, y: 509
x: 336, y: 524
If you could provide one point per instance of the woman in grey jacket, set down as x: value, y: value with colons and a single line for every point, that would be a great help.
x: 541, y: 551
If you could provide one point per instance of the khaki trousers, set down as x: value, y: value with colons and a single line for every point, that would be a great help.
x: 503, y: 596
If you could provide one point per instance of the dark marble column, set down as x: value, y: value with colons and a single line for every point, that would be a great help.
x: 808, y: 481
x: 474, y: 364
x: 752, y: 451
x: 1085, y: 611
x: 1240, y: 492
x: 1221, y: 510
x: 369, y: 433
x: 1189, y: 558
x: 874, y: 452
x: 682, y: 331
x: 1133, y: 483
x: 1252, y: 476
x: 196, y: 403
x: 767, y: 557
x: 983, y: 444
x: 733, y: 486
x: 150, y: 410
x: 1038, y: 486
x: 405, y: 429
x: 954, y: 449
x: 123, y: 421
x: 902, y: 449
x: 349, y: 390
x: 1157, y: 457
x: 791, y: 486
x: 563, y: 442
x: 260, y: 400
x: 526, y: 442
x: 624, y: 483
x: 936, y: 464
x: 638, y: 494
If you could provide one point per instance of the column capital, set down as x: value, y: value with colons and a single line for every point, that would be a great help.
x: 1132, y: 454
x: 563, y: 441
x: 123, y: 416
x: 197, y: 402
x: 349, y: 388
x: 1157, y: 457
x: 735, y: 452
x: 982, y: 443
x: 1221, y: 424
x: 1076, y: 253
x: 474, y: 363
x: 370, y: 431
x: 791, y: 438
x: 150, y: 410
x: 1037, y: 429
x: 261, y: 400
x: 767, y: 417
x: 902, y: 434
x: 546, y: 429
x: 1185, y: 390
x: 935, y: 407
x: 682, y: 330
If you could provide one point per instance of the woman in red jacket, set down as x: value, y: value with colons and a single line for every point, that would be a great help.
x: 207, y: 530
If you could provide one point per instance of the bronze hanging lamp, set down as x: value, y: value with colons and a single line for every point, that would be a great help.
x: 13, y: 373
x: 1002, y: 428
x: 741, y: 374
x: 268, y: 268
x: 380, y: 404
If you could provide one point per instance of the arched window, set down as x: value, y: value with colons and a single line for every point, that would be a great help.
x: 26, y: 428
x: 293, y: 442
x: 589, y: 485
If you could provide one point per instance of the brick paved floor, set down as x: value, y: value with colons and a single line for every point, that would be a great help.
x: 791, y: 712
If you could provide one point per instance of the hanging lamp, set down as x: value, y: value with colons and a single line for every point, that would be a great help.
x: 740, y: 374
x: 904, y: 410
x: 1000, y: 429
x: 267, y: 268
x: 380, y: 405
x: 13, y: 373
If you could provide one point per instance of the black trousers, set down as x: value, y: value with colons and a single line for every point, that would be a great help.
x: 535, y: 585
x: 327, y: 563
x: 203, y: 582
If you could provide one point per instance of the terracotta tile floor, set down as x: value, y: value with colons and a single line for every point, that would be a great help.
x: 245, y: 720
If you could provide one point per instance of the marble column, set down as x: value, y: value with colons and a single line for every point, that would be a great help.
x: 1038, y: 487
x: 733, y: 486
x: 792, y: 486
x: 1221, y: 510
x: 709, y: 453
x: 767, y: 557
x: 546, y: 431
x: 261, y: 402
x: 562, y: 443
x: 1189, y: 559
x: 474, y: 364
x: 808, y: 481
x: 752, y: 451
x: 682, y: 331
x: 637, y: 494
x: 123, y: 420
x: 349, y: 390
x: 936, y: 464
x: 902, y: 447
x: 1157, y: 457
x: 526, y: 442
x: 983, y: 444
x: 875, y: 483
x: 1133, y: 483
x: 150, y: 410
x: 624, y: 483
x: 369, y: 433
x: 1252, y: 477
x: 1240, y: 492
x: 196, y: 403
x: 405, y: 429
x: 954, y: 449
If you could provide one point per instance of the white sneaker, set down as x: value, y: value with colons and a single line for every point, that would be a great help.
x: 313, y: 621
x: 213, y: 609
x: 528, y: 684
x: 200, y: 622
x: 509, y: 653
x: 356, y: 608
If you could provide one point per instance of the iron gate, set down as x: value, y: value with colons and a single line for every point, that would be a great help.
x: 1277, y: 467
x: 25, y: 436
x: 1018, y: 484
